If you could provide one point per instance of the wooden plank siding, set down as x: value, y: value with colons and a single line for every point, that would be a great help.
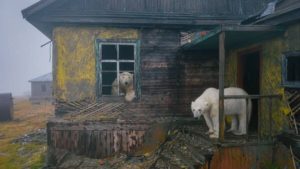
x: 197, y: 72
x: 180, y: 14
x: 158, y: 75
x: 96, y: 140
x: 174, y: 7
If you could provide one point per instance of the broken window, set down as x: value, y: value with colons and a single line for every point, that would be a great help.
x: 114, y: 60
x: 291, y: 69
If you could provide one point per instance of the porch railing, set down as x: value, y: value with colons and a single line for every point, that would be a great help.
x: 270, y: 98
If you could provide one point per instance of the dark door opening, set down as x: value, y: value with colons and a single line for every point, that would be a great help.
x: 249, y: 80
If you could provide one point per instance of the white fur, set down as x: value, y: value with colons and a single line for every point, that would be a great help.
x: 208, y: 106
x: 125, y: 86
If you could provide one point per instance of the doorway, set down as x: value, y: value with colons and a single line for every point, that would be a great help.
x: 249, y: 80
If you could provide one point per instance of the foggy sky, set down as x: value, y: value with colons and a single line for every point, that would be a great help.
x: 21, y: 57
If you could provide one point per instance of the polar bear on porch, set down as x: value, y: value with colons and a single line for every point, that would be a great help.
x: 125, y: 86
x: 208, y: 106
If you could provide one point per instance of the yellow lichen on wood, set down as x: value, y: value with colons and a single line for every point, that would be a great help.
x: 271, y: 84
x: 270, y: 81
x: 75, y: 59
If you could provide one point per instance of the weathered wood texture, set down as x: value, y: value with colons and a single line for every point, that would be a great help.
x: 293, y: 98
x: 158, y: 72
x: 197, y: 72
x: 140, y: 13
x: 252, y: 156
x: 270, y: 77
x: 175, y: 7
x: 6, y: 107
x: 159, y: 69
x: 96, y: 140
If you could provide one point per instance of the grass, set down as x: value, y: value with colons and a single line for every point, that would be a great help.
x: 27, y: 119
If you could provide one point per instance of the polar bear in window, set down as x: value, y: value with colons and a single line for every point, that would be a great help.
x: 126, y: 86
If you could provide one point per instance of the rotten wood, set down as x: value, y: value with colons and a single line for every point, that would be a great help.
x: 221, y: 84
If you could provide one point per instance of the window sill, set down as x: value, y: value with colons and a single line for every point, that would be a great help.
x: 291, y: 85
x: 115, y: 99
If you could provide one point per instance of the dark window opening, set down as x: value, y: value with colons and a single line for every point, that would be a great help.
x: 115, y: 58
x: 291, y: 69
x: 108, y: 66
x: 109, y: 52
x: 126, y: 52
x: 127, y: 66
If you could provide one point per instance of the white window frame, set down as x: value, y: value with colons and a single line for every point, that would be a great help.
x: 117, y: 61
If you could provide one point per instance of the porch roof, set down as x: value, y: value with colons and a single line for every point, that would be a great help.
x: 236, y: 36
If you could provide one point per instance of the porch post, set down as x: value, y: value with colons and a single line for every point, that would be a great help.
x: 221, y: 84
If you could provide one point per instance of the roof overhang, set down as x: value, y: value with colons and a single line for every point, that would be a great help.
x: 236, y: 36
x: 36, y: 7
x: 47, y: 14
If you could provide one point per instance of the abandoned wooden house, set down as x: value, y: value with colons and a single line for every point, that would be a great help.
x: 174, y: 49
x: 6, y: 107
x: 41, y: 88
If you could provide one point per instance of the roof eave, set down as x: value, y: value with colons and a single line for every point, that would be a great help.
x: 27, y: 12
x: 213, y: 35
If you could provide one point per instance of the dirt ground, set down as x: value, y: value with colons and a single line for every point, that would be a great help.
x: 23, y: 140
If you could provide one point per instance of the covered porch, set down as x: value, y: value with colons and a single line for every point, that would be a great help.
x: 226, y: 38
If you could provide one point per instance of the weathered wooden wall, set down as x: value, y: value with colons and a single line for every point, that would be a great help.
x: 158, y: 72
x: 96, y: 140
x: 198, y: 71
x: 74, y: 66
x: 201, y: 7
x: 251, y: 156
x: 74, y: 59
x: 270, y: 80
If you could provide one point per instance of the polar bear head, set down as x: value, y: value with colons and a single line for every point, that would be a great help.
x: 126, y: 79
x: 199, y: 107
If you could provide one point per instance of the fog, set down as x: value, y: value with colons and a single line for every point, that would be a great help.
x: 21, y: 57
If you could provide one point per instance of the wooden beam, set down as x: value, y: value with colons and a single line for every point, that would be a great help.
x: 221, y: 84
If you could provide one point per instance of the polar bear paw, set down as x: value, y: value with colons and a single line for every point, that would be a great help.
x: 209, y: 132
x: 238, y: 133
x: 232, y: 130
x: 213, y: 135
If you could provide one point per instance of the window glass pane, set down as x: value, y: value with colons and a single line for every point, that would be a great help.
x: 109, y: 66
x: 109, y: 52
x: 108, y: 77
x: 106, y: 90
x: 293, y: 69
x: 126, y: 52
x: 126, y: 66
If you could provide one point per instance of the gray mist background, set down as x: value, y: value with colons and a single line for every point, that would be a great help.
x: 21, y: 57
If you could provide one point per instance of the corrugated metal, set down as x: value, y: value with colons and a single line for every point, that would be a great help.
x: 6, y: 107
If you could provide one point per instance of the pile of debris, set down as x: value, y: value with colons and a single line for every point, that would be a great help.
x: 185, y: 147
x: 39, y: 136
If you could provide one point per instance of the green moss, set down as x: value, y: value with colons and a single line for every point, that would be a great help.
x: 16, y: 156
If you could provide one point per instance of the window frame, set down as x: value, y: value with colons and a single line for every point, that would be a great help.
x: 99, y: 61
x: 285, y: 57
